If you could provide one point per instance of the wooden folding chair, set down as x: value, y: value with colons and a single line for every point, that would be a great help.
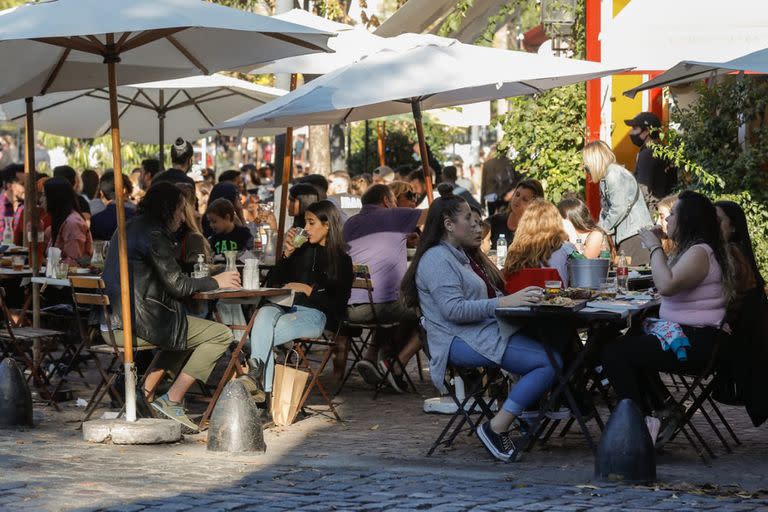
x: 358, y: 344
x: 303, y: 348
x: 22, y: 343
x: 90, y: 292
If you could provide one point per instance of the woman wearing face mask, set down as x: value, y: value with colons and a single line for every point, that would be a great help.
x: 458, y: 301
x: 320, y: 273
x: 623, y: 212
x: 506, y: 223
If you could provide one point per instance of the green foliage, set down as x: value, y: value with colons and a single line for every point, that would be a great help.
x: 81, y: 152
x: 546, y: 133
x: 400, y: 137
x: 454, y: 19
x: 711, y: 159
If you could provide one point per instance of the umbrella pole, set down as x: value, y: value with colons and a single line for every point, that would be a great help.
x: 161, y: 129
x: 416, y: 108
x: 122, y: 246
x: 380, y: 142
x: 287, y: 168
x: 30, y: 219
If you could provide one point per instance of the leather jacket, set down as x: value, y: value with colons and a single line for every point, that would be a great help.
x: 157, y: 282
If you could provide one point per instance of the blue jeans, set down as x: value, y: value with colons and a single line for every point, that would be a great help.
x: 275, y: 325
x: 524, y: 357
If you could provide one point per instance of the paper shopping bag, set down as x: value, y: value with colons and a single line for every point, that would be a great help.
x: 287, y: 389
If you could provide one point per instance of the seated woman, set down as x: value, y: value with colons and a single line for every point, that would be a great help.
x: 540, y: 242
x: 696, y: 284
x: 159, y: 286
x: 69, y: 230
x: 585, y: 234
x: 320, y: 274
x: 506, y: 223
x: 458, y: 304
x: 733, y: 224
x: 664, y: 208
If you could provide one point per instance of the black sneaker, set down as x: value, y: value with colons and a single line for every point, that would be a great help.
x: 500, y: 446
x: 253, y: 380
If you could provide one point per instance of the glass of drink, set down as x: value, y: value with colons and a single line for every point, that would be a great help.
x: 300, y: 238
x: 552, y: 288
x: 609, y: 288
x: 18, y: 262
x: 62, y: 270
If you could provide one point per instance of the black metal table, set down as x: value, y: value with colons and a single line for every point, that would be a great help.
x: 596, y: 321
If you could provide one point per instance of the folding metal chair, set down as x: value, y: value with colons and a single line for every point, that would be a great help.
x: 22, y: 343
x: 698, y: 393
x: 90, y: 292
x: 474, y: 408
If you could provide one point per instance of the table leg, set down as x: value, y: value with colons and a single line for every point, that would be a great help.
x: 232, y: 367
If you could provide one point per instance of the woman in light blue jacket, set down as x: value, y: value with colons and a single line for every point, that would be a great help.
x: 458, y: 303
x: 623, y: 212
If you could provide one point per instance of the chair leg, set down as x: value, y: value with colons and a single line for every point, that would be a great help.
x: 315, y: 381
x: 418, y: 365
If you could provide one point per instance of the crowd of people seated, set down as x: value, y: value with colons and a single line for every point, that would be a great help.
x: 699, y: 253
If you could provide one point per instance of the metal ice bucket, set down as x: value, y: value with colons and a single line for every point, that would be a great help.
x: 587, y: 273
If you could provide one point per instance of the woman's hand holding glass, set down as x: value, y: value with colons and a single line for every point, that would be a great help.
x: 526, y: 297
x: 288, y: 246
x: 649, y: 238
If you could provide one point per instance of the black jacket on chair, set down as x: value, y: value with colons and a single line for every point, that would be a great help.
x: 157, y: 282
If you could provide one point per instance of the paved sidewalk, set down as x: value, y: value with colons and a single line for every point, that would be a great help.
x: 374, y: 460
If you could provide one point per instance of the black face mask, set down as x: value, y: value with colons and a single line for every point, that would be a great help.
x: 636, y: 139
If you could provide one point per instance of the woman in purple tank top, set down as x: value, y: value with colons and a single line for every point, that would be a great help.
x: 696, y: 285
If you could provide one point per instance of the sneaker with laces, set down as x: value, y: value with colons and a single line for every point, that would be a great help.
x: 499, y: 446
x: 396, y: 382
x: 369, y: 372
x: 174, y: 411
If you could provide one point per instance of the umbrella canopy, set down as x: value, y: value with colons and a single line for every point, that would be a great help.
x: 690, y: 71
x: 175, y: 107
x: 62, y: 45
x: 430, y: 70
x: 350, y: 45
x: 654, y: 35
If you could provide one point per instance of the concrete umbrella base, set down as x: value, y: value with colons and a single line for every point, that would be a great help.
x: 141, y: 431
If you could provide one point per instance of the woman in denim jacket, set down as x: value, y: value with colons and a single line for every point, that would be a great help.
x: 623, y: 212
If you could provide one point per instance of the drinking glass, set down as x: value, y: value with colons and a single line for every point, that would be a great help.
x: 300, y: 238
x: 552, y: 288
x: 62, y: 270
x: 609, y: 288
x: 18, y: 262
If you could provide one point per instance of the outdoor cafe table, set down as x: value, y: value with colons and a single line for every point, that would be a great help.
x: 241, y: 297
x: 593, y: 318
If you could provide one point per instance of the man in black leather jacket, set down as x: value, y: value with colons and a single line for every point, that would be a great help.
x: 158, y: 286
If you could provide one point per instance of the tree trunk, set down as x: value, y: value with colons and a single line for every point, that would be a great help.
x: 320, y: 150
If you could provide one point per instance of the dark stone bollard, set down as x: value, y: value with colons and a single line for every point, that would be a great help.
x: 15, y: 397
x: 626, y: 452
x: 236, y: 425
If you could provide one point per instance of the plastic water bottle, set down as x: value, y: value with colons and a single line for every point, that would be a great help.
x: 622, y: 273
x: 501, y: 250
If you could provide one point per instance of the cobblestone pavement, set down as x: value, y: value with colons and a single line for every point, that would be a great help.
x: 374, y: 460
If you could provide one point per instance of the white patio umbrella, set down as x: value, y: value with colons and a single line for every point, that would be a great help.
x: 690, y: 71
x: 418, y: 71
x: 66, y: 45
x: 147, y: 111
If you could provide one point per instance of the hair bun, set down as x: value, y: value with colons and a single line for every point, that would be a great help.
x: 180, y: 143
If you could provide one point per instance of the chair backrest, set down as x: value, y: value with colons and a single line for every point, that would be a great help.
x: 91, y: 291
x: 530, y: 277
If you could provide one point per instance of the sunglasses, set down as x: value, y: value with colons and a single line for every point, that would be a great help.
x: 411, y: 196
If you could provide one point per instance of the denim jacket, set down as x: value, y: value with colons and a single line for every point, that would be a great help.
x: 618, y: 191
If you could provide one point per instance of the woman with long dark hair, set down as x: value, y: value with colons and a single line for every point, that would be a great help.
x: 733, y: 224
x: 319, y: 272
x: 69, y: 230
x: 587, y: 236
x: 696, y: 286
x: 458, y: 301
x: 189, y: 346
